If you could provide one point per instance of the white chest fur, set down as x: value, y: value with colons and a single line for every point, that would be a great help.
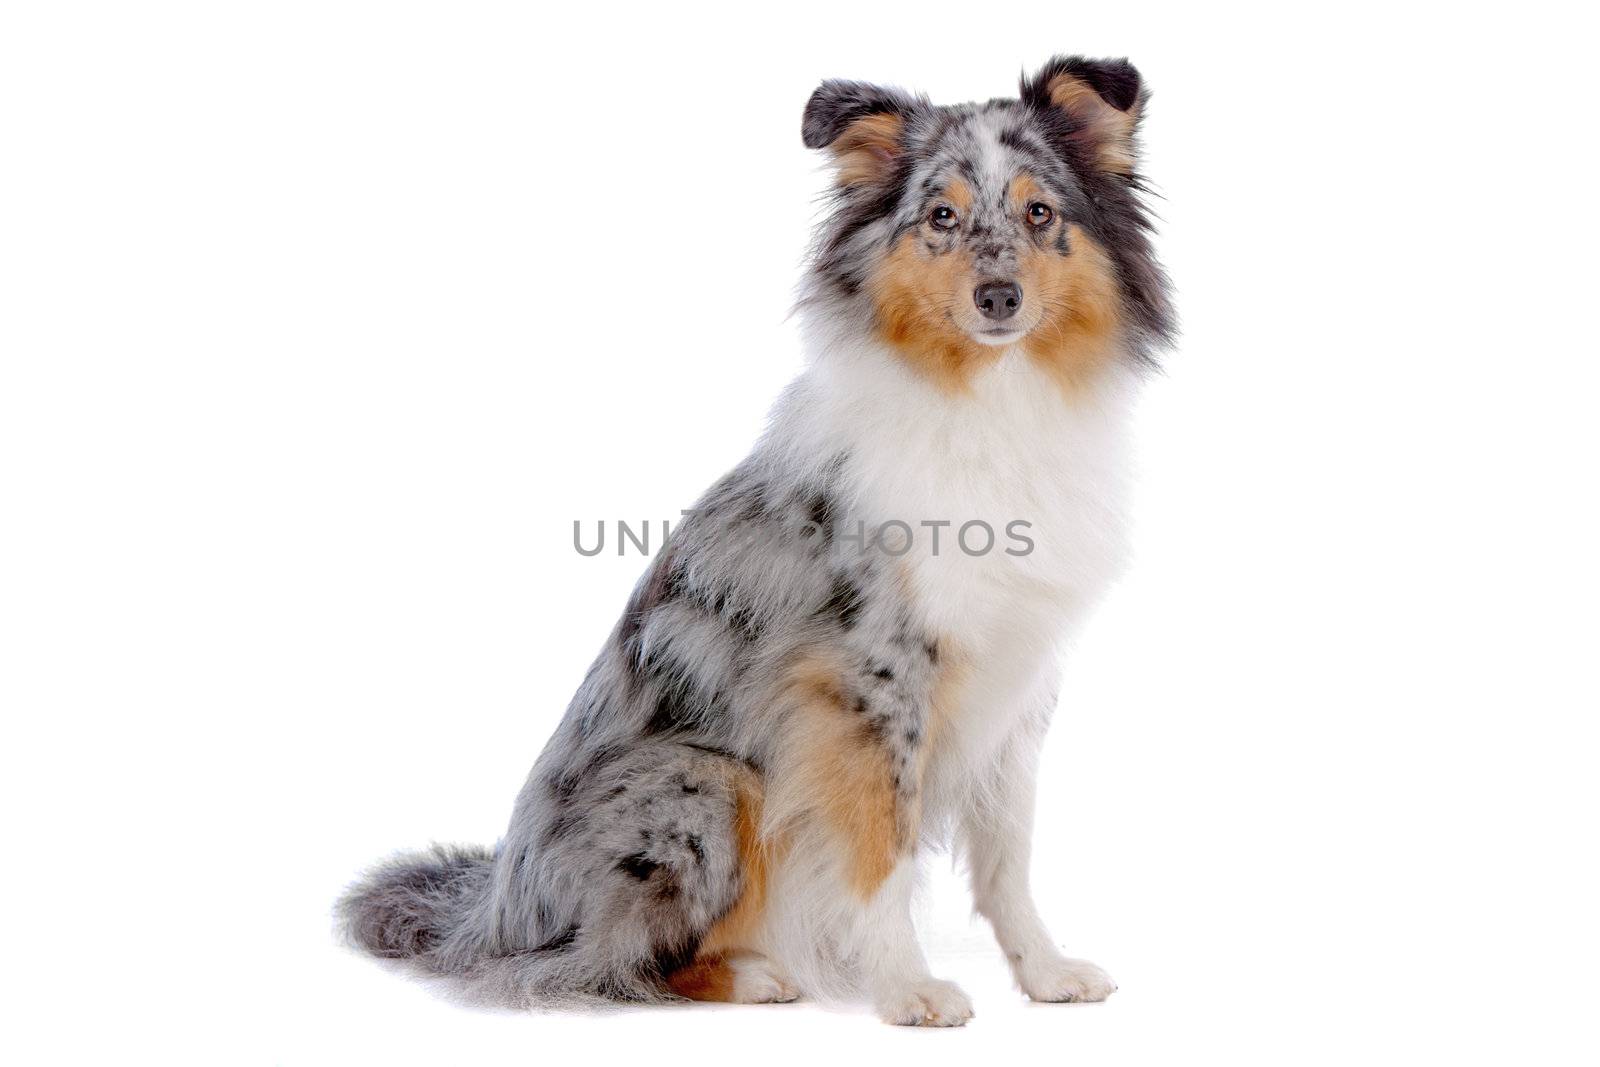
x: 1034, y: 478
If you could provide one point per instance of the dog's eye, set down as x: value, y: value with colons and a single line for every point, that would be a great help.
x: 943, y: 218
x: 1040, y: 215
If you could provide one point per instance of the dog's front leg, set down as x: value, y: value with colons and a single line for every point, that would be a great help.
x: 844, y: 796
x: 892, y: 965
x: 996, y: 833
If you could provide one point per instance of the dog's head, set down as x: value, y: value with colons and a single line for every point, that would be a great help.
x: 961, y: 231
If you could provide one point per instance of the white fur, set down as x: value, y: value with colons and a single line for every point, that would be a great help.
x: 1012, y: 447
x: 998, y: 340
x: 758, y: 980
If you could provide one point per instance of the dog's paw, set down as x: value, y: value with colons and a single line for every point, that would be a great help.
x: 756, y: 980
x: 927, y: 1002
x: 1059, y: 980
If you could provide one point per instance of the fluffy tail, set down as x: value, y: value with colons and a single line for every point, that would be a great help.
x: 408, y: 907
x: 427, y: 910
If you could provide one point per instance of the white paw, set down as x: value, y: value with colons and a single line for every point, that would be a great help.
x: 926, y: 1002
x: 1057, y: 979
x: 757, y: 981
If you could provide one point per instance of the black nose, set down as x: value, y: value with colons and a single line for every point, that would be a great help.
x: 998, y: 300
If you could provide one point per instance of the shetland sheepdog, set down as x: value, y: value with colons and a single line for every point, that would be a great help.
x: 847, y: 653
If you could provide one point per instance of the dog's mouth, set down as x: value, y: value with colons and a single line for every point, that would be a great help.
x: 996, y: 334
x: 999, y: 335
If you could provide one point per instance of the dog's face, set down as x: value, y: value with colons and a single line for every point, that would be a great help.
x: 965, y: 230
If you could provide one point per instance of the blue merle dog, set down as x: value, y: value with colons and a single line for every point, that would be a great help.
x: 848, y: 652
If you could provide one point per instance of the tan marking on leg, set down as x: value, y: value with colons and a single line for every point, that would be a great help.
x: 835, y: 773
x: 711, y: 975
x: 948, y: 686
x: 862, y: 806
x: 736, y: 929
x: 848, y: 772
x: 707, y: 978
x: 831, y: 774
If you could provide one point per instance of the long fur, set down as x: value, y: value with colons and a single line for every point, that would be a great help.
x: 788, y: 710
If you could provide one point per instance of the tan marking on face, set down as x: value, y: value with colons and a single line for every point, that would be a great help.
x: 710, y: 977
x: 959, y: 193
x: 1110, y: 131
x: 1081, y: 328
x: 736, y: 929
x: 916, y: 294
x: 1023, y: 191
x: 866, y: 150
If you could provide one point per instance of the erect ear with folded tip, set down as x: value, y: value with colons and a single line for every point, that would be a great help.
x: 1102, y: 98
x: 862, y: 126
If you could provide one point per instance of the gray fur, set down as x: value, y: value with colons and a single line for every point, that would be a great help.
x: 621, y: 851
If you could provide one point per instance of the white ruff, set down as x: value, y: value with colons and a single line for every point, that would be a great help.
x: 1012, y: 447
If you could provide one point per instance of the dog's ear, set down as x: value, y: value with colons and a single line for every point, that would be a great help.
x: 1102, y: 98
x: 863, y: 126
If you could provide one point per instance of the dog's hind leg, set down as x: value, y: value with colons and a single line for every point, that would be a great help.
x: 642, y: 866
x: 726, y: 966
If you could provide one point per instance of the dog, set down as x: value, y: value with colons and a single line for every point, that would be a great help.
x: 846, y: 654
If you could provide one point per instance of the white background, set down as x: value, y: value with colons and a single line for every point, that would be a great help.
x: 322, y: 322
